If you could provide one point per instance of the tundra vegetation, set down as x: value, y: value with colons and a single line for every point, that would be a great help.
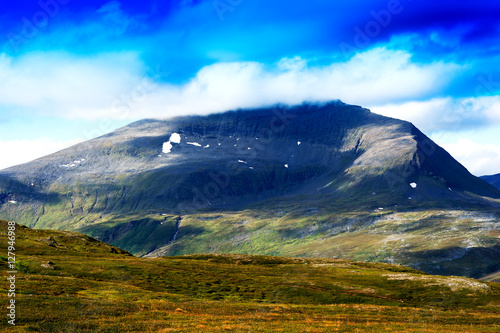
x: 70, y: 282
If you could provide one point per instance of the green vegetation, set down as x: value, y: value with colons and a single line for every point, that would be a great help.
x: 72, y: 283
x: 454, y: 241
x: 449, y: 242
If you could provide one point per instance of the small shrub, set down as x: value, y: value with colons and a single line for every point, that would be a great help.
x: 23, y: 267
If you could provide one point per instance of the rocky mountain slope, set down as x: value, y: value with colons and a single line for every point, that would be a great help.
x: 69, y: 282
x: 310, y: 180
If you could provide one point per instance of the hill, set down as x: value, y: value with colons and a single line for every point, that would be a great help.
x: 69, y: 282
x: 493, y: 180
x: 330, y: 180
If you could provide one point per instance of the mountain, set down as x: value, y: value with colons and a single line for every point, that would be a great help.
x: 69, y: 282
x: 329, y: 180
x: 493, y: 180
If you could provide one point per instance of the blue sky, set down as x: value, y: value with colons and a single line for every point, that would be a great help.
x: 72, y: 70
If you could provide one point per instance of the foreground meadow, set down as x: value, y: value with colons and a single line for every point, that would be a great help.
x: 69, y: 282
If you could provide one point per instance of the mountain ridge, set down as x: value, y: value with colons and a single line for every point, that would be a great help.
x: 493, y: 180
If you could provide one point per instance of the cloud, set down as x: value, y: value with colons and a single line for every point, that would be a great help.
x: 116, y: 86
x: 480, y: 159
x: 21, y: 151
x: 262, y: 53
x: 477, y: 20
x: 65, y: 85
x: 373, y: 77
x: 446, y: 113
x: 289, y: 64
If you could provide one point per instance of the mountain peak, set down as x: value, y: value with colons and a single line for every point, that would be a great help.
x: 330, y: 148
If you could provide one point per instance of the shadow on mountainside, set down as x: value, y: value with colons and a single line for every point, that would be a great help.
x: 14, y: 190
x: 474, y: 262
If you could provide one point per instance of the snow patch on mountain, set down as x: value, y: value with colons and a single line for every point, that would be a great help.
x: 175, y: 138
x: 167, y: 146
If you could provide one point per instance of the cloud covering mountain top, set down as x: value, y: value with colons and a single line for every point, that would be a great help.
x: 97, y: 65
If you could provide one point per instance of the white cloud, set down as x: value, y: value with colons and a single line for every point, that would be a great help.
x: 114, y: 85
x: 295, y: 63
x: 373, y: 77
x: 64, y: 85
x: 21, y: 151
x: 480, y: 159
x: 422, y: 114
x: 445, y: 114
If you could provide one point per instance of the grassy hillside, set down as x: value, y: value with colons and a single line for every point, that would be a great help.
x: 68, y: 282
x: 445, y: 242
